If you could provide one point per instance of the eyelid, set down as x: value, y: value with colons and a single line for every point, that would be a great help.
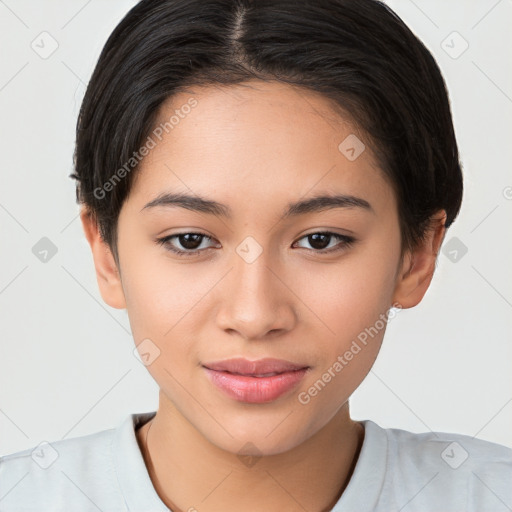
x: 346, y: 241
x: 164, y: 241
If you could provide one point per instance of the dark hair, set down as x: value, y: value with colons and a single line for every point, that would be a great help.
x: 357, y: 53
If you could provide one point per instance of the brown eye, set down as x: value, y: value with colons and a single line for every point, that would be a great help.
x: 184, y: 244
x: 190, y: 240
x: 189, y: 244
x: 321, y: 241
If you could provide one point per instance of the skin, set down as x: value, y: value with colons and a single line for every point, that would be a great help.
x: 256, y: 147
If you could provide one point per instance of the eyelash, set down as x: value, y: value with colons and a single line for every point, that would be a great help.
x: 347, y: 241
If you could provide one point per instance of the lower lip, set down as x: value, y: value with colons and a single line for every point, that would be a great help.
x: 255, y: 390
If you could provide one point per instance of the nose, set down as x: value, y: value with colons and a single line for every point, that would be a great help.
x: 256, y: 301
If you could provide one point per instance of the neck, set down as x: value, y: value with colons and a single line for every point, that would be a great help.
x: 189, y: 473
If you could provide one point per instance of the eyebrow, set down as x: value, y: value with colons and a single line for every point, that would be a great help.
x: 317, y: 203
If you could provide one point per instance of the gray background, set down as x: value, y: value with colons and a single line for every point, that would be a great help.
x: 67, y: 366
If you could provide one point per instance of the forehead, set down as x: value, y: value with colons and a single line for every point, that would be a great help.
x: 258, y: 141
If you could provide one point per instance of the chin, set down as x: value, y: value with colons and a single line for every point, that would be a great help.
x: 264, y: 436
x: 260, y: 445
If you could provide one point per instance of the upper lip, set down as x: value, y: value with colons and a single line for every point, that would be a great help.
x: 243, y: 366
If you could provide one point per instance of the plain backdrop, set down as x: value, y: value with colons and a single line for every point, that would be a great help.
x: 67, y: 366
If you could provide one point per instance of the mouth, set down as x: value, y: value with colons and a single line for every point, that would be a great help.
x: 259, y: 381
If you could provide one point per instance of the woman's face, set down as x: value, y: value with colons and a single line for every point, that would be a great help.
x: 261, y: 281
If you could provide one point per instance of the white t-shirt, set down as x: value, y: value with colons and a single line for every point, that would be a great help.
x: 396, y: 471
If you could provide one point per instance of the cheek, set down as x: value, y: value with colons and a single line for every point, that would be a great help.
x: 161, y: 310
x: 161, y: 294
x: 348, y: 297
x: 352, y: 301
x: 355, y: 311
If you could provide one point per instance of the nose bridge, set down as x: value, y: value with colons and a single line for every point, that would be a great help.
x: 252, y: 276
x: 255, y: 300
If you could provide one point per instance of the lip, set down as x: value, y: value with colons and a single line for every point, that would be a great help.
x: 259, y: 381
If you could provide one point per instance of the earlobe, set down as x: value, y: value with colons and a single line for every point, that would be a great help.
x: 107, y: 273
x: 419, y: 265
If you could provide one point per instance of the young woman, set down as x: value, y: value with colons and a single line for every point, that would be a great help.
x: 264, y: 183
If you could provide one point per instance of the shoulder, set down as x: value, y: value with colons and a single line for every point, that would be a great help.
x: 463, y: 472
x: 48, y: 475
x: 455, y: 451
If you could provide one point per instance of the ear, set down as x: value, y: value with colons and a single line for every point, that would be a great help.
x: 107, y: 274
x: 417, y: 269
